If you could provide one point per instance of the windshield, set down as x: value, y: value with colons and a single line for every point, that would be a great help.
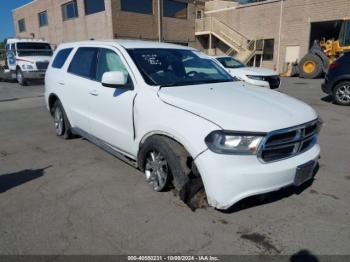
x: 173, y: 67
x: 229, y: 62
x: 34, y: 49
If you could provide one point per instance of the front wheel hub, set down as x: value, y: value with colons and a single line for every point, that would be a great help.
x: 156, y: 170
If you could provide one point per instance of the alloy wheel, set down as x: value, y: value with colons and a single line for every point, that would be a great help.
x: 59, y: 122
x: 343, y: 93
x: 156, y: 170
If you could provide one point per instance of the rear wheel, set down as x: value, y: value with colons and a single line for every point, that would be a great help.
x: 61, y: 123
x: 310, y: 66
x: 20, y: 77
x: 341, y: 93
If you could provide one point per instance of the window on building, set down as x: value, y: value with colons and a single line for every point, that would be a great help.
x: 61, y: 58
x: 84, y: 62
x: 43, y: 19
x: 94, y: 6
x: 137, y: 6
x: 175, y: 9
x: 269, y: 45
x: 70, y: 10
x: 22, y: 25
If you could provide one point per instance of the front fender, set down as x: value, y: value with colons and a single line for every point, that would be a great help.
x: 153, y: 116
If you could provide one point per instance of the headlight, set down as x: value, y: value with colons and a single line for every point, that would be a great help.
x: 260, y: 78
x: 239, y: 143
x: 27, y: 67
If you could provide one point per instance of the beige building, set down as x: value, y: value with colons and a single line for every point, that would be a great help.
x: 269, y: 33
x: 72, y: 20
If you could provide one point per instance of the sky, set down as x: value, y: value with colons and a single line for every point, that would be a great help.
x: 6, y: 22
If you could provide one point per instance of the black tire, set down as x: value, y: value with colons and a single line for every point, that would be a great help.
x: 20, y: 77
x: 58, y: 114
x: 317, y: 61
x: 183, y: 174
x: 175, y: 156
x: 341, y: 93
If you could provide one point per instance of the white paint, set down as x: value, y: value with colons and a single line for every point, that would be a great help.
x: 242, y: 73
x: 188, y: 114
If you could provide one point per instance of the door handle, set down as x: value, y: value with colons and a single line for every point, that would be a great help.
x: 61, y: 83
x: 94, y: 93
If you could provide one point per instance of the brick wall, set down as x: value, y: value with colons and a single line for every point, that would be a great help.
x: 262, y: 20
x: 112, y: 23
x: 98, y: 25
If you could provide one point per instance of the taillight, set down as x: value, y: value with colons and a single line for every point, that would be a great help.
x: 333, y: 65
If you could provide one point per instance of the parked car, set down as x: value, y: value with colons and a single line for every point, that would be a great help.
x: 253, y: 75
x: 26, y: 59
x: 337, y: 81
x: 178, y: 116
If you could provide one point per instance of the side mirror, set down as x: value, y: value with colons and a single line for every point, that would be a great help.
x: 114, y: 79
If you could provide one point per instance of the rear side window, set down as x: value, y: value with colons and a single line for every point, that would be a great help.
x: 84, y: 62
x: 61, y: 58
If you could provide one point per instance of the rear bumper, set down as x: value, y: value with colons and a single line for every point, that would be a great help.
x: 231, y: 178
x: 40, y: 74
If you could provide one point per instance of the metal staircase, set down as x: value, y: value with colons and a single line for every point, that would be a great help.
x: 239, y: 46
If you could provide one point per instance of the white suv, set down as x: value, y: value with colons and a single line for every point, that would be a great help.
x: 178, y: 116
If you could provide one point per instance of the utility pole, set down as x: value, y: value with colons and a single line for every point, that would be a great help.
x: 279, y: 38
x: 160, y: 23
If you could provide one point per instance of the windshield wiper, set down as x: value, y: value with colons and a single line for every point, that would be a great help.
x: 195, y: 82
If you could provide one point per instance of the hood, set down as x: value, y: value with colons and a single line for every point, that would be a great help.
x: 238, y: 107
x: 258, y: 71
x: 33, y: 59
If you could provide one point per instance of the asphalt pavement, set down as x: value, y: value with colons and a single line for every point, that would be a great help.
x: 71, y: 197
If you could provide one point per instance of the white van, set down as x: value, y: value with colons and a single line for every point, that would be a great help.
x: 181, y: 118
x: 26, y: 59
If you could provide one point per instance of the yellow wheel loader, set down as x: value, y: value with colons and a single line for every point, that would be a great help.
x: 324, y: 52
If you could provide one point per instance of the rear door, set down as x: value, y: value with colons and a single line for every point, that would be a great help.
x: 79, y: 83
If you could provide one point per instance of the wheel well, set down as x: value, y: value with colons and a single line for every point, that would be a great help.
x: 52, y: 99
x: 187, y: 182
x: 339, y: 81
x: 176, y: 145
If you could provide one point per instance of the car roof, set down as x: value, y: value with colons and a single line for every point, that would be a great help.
x: 127, y: 44
x: 223, y: 56
x: 25, y: 40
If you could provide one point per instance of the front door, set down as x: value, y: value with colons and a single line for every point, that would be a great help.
x: 111, y: 109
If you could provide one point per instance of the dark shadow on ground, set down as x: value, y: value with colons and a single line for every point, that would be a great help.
x: 9, y: 181
x: 268, y: 198
x: 303, y: 256
x: 36, y: 82
x: 327, y: 99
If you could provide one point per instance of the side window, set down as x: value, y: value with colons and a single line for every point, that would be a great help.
x: 84, y: 62
x: 109, y: 61
x: 61, y: 58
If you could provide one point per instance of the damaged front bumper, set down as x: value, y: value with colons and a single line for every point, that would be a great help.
x: 230, y: 178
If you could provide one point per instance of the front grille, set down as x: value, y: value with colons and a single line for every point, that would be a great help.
x: 274, y: 81
x: 289, y: 142
x: 42, y: 65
